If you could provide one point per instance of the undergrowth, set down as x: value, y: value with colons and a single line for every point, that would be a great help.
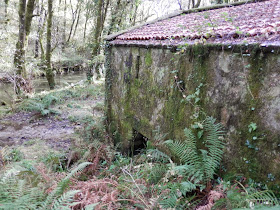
x: 169, y: 174
x: 43, y: 102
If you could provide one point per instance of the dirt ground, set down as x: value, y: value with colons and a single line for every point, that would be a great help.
x: 20, y: 128
x: 37, y: 134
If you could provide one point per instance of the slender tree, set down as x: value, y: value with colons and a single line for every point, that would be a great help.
x: 19, y: 57
x: 75, y: 17
x: 197, y: 4
x: 88, y: 13
x: 6, y: 11
x: 63, y: 43
x: 49, y: 72
x: 41, y: 37
x: 114, y: 16
x: 101, y: 12
x: 77, y: 22
x: 40, y: 25
x: 25, y: 19
x: 28, y: 17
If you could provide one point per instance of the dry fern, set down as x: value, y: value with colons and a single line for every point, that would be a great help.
x: 102, y: 192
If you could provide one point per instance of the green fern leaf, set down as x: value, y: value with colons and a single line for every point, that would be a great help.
x: 64, y: 201
x: 157, y: 156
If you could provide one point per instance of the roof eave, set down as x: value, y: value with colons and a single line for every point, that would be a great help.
x: 113, y: 36
x: 176, y: 13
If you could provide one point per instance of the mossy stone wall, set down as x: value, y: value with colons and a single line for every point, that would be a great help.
x: 239, y: 86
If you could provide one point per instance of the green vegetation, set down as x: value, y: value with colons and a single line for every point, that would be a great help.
x: 167, y: 174
x: 59, y: 150
x: 22, y: 187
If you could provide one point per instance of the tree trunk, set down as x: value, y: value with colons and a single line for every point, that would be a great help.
x: 85, y: 29
x: 193, y: 3
x: 135, y: 13
x: 74, y: 17
x: 19, y: 57
x: 49, y: 72
x: 63, y: 45
x: 96, y: 41
x: 41, y: 39
x: 25, y: 20
x: 123, y: 14
x: 6, y: 11
x: 189, y: 5
x: 87, y: 16
x: 180, y: 4
x: 77, y: 22
x: 197, y: 4
x: 114, y: 17
x: 104, y: 14
x: 28, y: 17
x: 40, y: 24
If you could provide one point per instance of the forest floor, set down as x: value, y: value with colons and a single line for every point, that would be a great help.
x: 35, y: 134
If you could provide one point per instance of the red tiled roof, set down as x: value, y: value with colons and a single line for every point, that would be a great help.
x: 254, y: 22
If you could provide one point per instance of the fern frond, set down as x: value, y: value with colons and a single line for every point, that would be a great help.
x: 187, y: 186
x: 40, y: 104
x: 16, y: 193
x: 189, y: 173
x: 199, y: 165
x: 78, y: 169
x: 4, y: 153
x: 184, y: 152
x: 215, y: 145
x: 49, y: 100
x: 158, y: 171
x: 62, y: 185
x: 265, y: 197
x: 168, y: 202
x: 65, y: 200
x: 158, y: 156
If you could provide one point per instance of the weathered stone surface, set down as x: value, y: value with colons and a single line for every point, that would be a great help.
x: 239, y: 87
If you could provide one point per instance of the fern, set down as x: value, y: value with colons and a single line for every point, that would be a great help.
x: 4, y: 153
x: 40, y: 105
x: 247, y: 198
x: 157, y: 156
x: 187, y: 186
x: 215, y: 147
x: 17, y: 193
x: 263, y: 198
x: 78, y: 169
x: 65, y: 200
x: 157, y: 173
x: 168, y: 202
x: 62, y: 186
x: 173, y: 197
x: 91, y: 206
x: 197, y: 164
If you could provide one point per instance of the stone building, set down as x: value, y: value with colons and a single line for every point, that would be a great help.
x: 223, y: 60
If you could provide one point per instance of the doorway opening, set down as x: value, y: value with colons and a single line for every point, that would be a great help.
x: 139, y: 143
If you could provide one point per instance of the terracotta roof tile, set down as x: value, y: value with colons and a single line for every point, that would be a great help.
x: 252, y: 22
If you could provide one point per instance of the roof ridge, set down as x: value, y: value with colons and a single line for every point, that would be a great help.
x: 179, y: 12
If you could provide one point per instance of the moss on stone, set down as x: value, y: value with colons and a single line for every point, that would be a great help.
x: 254, y: 155
x: 196, y: 66
x: 148, y: 58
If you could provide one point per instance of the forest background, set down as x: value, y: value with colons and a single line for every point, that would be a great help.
x: 35, y: 42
